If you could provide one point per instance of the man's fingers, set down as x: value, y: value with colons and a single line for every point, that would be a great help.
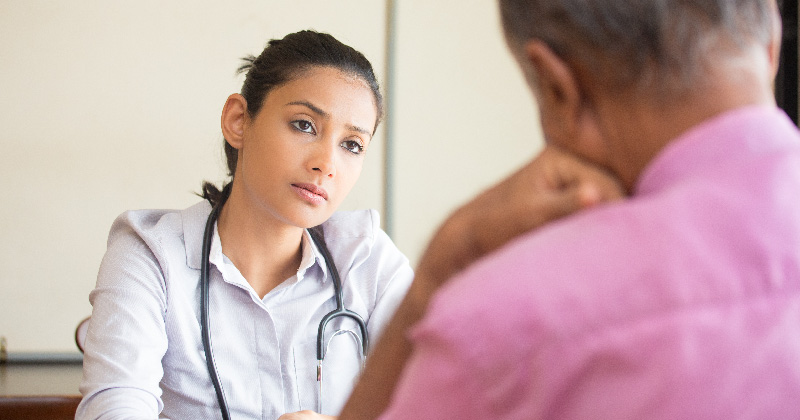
x: 561, y: 203
x: 589, y: 195
x: 564, y: 170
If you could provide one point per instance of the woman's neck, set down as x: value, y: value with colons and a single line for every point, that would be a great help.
x: 264, y: 250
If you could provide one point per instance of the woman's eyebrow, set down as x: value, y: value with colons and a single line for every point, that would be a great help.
x: 319, y: 111
x: 309, y: 105
x: 360, y: 130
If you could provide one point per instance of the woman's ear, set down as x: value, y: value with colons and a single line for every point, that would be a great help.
x: 234, y: 117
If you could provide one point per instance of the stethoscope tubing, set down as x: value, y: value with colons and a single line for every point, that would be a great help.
x: 340, y: 311
x: 204, y: 299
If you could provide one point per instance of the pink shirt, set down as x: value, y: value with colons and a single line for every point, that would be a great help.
x: 682, y: 302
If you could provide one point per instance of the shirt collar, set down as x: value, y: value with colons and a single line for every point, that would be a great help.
x: 311, y: 256
x: 730, y: 134
x: 194, y: 224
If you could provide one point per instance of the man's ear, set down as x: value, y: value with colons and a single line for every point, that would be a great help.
x: 775, y: 39
x: 568, y: 113
x: 556, y: 88
x: 234, y: 118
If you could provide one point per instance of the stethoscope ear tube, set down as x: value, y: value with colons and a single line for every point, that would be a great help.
x: 204, y: 300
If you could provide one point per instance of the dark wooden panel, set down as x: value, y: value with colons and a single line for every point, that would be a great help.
x: 41, y: 390
x: 38, y: 407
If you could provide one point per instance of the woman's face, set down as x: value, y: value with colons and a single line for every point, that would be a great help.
x: 303, y: 152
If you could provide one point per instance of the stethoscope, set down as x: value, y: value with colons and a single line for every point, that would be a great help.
x: 340, y: 311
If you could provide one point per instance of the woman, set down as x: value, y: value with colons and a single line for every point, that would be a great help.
x: 295, y: 140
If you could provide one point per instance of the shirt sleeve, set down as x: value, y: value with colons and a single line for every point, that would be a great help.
x: 467, y: 359
x: 438, y: 381
x: 126, y: 339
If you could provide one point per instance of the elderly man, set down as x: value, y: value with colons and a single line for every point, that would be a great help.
x: 680, y: 301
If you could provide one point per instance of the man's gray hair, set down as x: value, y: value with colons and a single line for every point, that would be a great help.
x: 638, y: 42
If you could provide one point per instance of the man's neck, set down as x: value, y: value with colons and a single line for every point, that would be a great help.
x: 641, y: 127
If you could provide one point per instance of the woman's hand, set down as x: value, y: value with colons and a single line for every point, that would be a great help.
x: 305, y: 415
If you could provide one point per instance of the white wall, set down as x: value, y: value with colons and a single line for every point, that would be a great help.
x: 113, y: 105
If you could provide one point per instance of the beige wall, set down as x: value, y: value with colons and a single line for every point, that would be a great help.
x: 463, y: 116
x: 108, y: 106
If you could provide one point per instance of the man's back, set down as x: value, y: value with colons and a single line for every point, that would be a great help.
x: 680, y: 301
x: 683, y: 301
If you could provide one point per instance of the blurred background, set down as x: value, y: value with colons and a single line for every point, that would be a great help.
x: 107, y: 106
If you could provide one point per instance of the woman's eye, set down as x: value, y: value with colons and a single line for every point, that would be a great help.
x: 304, y: 126
x: 353, y: 147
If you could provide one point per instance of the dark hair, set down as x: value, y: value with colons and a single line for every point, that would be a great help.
x: 284, y: 60
x: 641, y: 43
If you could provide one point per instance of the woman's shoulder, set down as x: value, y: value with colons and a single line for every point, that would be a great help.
x: 156, y: 239
x: 356, y: 238
x: 355, y: 224
x: 158, y: 225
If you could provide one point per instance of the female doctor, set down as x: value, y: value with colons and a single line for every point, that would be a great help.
x: 158, y: 345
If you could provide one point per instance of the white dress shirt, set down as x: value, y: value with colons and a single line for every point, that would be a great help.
x: 144, y: 356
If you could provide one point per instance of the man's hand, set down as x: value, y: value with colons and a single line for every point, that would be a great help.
x: 305, y: 415
x: 555, y: 184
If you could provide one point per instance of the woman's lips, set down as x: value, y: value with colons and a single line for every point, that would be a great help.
x: 311, y: 193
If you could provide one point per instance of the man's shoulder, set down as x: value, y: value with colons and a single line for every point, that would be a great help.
x: 562, y: 268
x: 572, y: 246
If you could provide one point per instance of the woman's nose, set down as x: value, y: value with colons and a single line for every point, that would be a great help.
x: 323, y: 160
